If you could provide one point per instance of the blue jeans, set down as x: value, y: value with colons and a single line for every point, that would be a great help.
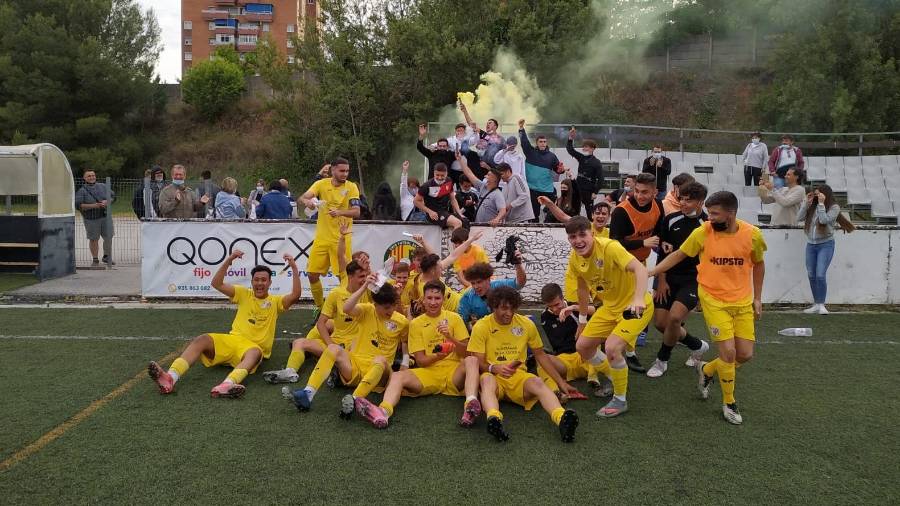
x: 818, y: 258
x: 777, y: 182
x: 416, y: 215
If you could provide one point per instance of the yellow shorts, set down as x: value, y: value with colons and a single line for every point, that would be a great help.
x: 436, y: 380
x: 727, y: 320
x: 358, y: 369
x: 512, y: 389
x: 314, y: 335
x: 230, y: 349
x: 324, y: 256
x: 576, y: 367
x: 605, y: 323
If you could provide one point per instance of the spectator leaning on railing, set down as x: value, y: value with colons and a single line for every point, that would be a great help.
x: 178, y: 200
x: 440, y: 154
x: 151, y: 192
x: 208, y: 187
x: 510, y: 156
x: 91, y: 199
x: 274, y: 205
x: 541, y: 165
x: 228, y: 205
x: 787, y: 200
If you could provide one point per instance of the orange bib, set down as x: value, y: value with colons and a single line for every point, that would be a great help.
x: 726, y: 265
x: 644, y: 223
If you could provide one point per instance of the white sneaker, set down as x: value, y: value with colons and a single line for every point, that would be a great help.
x: 281, y: 376
x: 697, y: 356
x: 657, y: 369
x: 812, y: 309
x: 731, y: 414
x: 703, y: 380
x: 822, y: 309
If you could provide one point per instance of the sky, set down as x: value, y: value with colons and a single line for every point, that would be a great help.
x: 168, y: 13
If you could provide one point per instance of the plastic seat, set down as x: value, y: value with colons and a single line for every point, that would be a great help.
x: 878, y: 194
x: 872, y: 172
x: 854, y: 172
x: 729, y: 158
x: 892, y: 181
x: 883, y: 209
x: 834, y: 173
x: 837, y: 184
x: 815, y: 173
x: 834, y: 161
x: 856, y: 182
x: 691, y: 157
x: 888, y: 160
x: 852, y: 161
x: 618, y: 154
x: 640, y: 154
x: 858, y: 196
x: 711, y: 158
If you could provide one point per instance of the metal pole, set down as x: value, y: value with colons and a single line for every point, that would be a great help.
x: 109, y: 223
x: 681, y: 143
x: 147, y: 199
x: 609, y: 141
x: 860, y: 144
x: 9, y: 205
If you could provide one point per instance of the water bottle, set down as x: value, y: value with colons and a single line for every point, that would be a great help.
x: 796, y: 332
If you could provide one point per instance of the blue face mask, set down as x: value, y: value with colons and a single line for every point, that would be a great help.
x: 178, y: 182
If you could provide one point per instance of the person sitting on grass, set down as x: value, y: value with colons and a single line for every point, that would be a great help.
x: 332, y: 327
x: 473, y: 304
x: 367, y: 364
x: 437, y: 341
x: 500, y: 342
x: 252, y: 332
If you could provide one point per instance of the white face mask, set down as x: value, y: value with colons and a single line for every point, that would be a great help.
x: 785, y: 146
x: 259, y: 188
x: 755, y: 141
x: 657, y: 155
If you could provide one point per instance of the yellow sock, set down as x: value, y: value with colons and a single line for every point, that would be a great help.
x: 495, y: 413
x: 369, y: 381
x: 387, y: 407
x: 295, y: 359
x: 322, y: 370
x: 180, y: 366
x: 711, y: 367
x: 547, y: 379
x: 556, y: 415
x: 237, y: 375
x: 318, y: 293
x: 603, y: 369
x: 726, y: 381
x: 619, y: 378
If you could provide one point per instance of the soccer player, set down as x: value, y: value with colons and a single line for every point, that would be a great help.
x: 333, y: 326
x: 473, y: 304
x: 676, y: 290
x: 437, y: 340
x: 500, y: 343
x: 622, y: 283
x: 474, y: 254
x: 335, y: 198
x: 599, y: 215
x: 636, y: 223
x: 252, y: 332
x: 730, y: 275
x: 560, y: 323
x: 367, y: 363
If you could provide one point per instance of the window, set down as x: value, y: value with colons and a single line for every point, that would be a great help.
x: 188, y: 42
x: 188, y: 56
x: 247, y: 39
x: 248, y: 26
x: 290, y: 28
x: 311, y: 2
x: 188, y: 25
x: 265, y: 27
x: 290, y: 43
x: 222, y: 38
x: 291, y: 60
x: 212, y: 42
x: 212, y: 25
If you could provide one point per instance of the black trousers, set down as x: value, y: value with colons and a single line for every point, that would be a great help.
x: 752, y: 175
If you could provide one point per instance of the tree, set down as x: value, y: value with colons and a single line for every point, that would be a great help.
x: 212, y: 86
x: 81, y: 75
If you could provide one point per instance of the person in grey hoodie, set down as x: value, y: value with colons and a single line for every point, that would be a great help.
x: 754, y: 158
x: 516, y: 195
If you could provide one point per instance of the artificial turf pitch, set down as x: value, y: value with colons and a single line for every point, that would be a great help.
x: 820, y: 426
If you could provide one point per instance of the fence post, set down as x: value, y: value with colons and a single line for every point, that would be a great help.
x: 147, y: 199
x: 681, y: 142
x: 860, y: 144
x: 609, y: 142
x: 710, y: 54
x: 9, y: 205
x: 109, y: 223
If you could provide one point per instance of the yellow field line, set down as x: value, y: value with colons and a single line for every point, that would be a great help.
x: 81, y: 416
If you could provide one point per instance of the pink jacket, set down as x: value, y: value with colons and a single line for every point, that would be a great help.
x: 776, y: 154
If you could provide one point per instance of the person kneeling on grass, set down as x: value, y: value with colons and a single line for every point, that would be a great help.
x: 437, y: 340
x: 333, y: 326
x: 380, y: 330
x: 251, y: 336
x: 500, y: 343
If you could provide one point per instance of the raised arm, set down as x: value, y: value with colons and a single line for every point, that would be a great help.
x: 527, y: 148
x: 672, y: 259
x: 352, y: 301
x: 464, y: 165
x: 218, y: 281
x: 459, y: 250
x: 554, y: 209
x: 290, y: 299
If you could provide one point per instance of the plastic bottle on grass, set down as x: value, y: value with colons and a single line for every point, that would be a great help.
x: 796, y: 332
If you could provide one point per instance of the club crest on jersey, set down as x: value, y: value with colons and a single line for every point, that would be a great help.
x: 599, y: 263
x: 714, y: 331
x: 344, y: 192
x: 265, y: 304
x: 517, y: 331
x: 391, y: 326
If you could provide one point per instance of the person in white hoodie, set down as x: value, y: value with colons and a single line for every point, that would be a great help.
x: 409, y: 188
x: 512, y: 157
x: 787, y: 199
x: 754, y: 158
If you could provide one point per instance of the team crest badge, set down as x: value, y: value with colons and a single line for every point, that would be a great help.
x: 599, y: 263
x: 518, y: 331
x: 265, y: 304
x: 714, y: 331
x: 391, y: 326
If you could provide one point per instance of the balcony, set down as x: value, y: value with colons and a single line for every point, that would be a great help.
x: 224, y: 2
x: 248, y: 29
x: 253, y: 17
x: 224, y: 30
x: 246, y: 47
x: 213, y: 14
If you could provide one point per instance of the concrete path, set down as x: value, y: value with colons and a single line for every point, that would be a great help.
x: 122, y: 282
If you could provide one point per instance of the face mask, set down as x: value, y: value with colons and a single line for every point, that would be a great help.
x: 657, y: 155
x: 755, y: 141
x: 178, y: 182
x: 785, y: 146
x: 259, y: 188
x: 720, y: 227
x: 693, y: 214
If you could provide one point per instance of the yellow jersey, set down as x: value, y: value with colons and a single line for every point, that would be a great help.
x: 474, y: 255
x: 378, y: 336
x: 604, y: 270
x: 603, y: 232
x: 345, y: 327
x: 423, y: 335
x: 504, y: 343
x: 343, y: 197
x: 255, y: 318
x: 726, y: 260
x: 413, y: 291
x: 570, y: 284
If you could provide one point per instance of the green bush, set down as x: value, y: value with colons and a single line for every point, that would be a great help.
x: 212, y: 86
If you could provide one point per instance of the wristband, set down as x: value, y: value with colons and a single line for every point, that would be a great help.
x: 582, y: 318
x: 490, y: 368
x: 404, y: 362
